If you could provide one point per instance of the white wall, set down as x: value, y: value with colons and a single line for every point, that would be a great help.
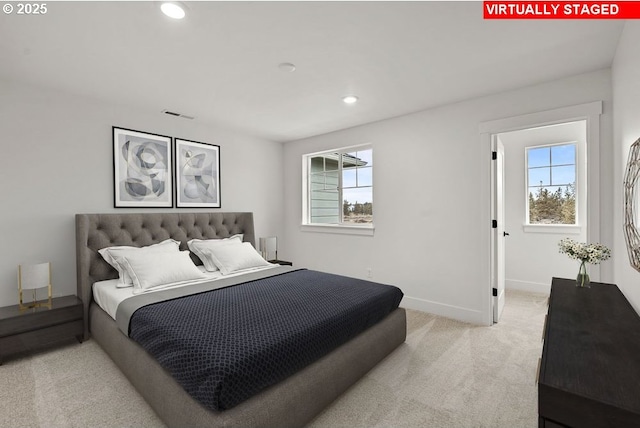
x: 626, y: 93
x: 428, y: 197
x: 532, y: 257
x: 57, y: 160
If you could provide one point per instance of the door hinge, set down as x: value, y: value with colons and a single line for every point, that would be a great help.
x: 494, y: 224
x: 495, y: 292
x: 494, y: 155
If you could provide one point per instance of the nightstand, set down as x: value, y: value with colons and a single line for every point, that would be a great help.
x: 34, y: 328
x: 281, y: 262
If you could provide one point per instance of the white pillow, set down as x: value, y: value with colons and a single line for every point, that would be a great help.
x: 235, y: 258
x: 200, y: 246
x: 113, y: 255
x: 161, y: 269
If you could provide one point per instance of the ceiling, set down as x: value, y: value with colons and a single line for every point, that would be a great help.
x: 220, y: 63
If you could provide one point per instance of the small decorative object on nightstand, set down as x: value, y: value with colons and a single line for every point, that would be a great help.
x: 33, y: 277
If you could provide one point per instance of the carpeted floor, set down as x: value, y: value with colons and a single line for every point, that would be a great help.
x: 447, y: 374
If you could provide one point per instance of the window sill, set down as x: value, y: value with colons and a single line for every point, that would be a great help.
x: 552, y: 228
x: 339, y: 229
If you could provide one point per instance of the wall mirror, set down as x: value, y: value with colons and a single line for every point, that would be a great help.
x: 631, y: 209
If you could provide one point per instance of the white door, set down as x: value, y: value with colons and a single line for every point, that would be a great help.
x: 498, y: 231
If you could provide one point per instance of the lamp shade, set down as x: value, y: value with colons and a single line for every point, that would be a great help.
x: 34, y: 276
x: 269, y: 246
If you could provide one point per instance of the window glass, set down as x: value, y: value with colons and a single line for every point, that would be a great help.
x: 538, y: 157
x: 340, y: 187
x: 349, y: 178
x: 551, y: 184
x: 563, y: 155
x: 539, y: 177
x: 563, y: 175
x: 365, y: 177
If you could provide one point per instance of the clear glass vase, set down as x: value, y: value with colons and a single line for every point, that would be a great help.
x: 583, y: 277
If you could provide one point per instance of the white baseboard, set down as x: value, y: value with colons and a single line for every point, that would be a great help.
x: 532, y: 287
x: 441, y: 309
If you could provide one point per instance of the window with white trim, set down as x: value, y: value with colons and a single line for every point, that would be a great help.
x: 551, y: 184
x: 339, y: 187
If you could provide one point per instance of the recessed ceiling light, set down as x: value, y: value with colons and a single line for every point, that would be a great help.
x: 350, y: 99
x: 287, y: 67
x: 173, y: 10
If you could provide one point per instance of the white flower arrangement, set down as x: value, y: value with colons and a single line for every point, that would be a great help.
x: 586, y: 253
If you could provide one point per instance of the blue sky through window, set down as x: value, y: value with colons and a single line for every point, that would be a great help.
x: 563, y: 155
x: 539, y: 157
x: 552, y: 165
x: 357, y: 178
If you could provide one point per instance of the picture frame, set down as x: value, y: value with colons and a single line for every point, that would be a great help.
x: 142, y: 165
x: 197, y: 174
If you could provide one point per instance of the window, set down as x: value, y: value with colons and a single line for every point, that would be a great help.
x: 339, y: 187
x: 551, y: 184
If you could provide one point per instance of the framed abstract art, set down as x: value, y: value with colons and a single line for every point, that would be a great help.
x: 197, y: 174
x: 142, y: 169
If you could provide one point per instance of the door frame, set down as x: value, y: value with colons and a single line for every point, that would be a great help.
x: 590, y: 112
x: 498, y: 233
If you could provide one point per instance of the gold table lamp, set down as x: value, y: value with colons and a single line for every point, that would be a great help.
x: 268, y: 246
x: 33, y: 277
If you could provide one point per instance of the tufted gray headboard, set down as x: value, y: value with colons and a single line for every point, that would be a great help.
x: 96, y: 231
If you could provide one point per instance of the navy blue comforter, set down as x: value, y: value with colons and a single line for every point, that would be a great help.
x: 225, y: 346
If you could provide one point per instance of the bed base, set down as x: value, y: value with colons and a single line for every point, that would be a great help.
x: 293, y: 402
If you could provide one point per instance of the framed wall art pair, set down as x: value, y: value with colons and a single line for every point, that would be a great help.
x: 148, y: 167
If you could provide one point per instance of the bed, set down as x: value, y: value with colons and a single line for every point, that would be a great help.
x: 293, y: 402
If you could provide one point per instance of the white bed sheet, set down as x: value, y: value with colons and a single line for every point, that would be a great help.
x: 108, y: 296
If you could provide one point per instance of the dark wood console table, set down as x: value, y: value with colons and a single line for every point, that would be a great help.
x: 590, y: 367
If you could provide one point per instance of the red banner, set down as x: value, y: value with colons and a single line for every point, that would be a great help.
x: 561, y: 10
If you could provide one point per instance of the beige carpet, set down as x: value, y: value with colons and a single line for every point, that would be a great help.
x: 447, y: 374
